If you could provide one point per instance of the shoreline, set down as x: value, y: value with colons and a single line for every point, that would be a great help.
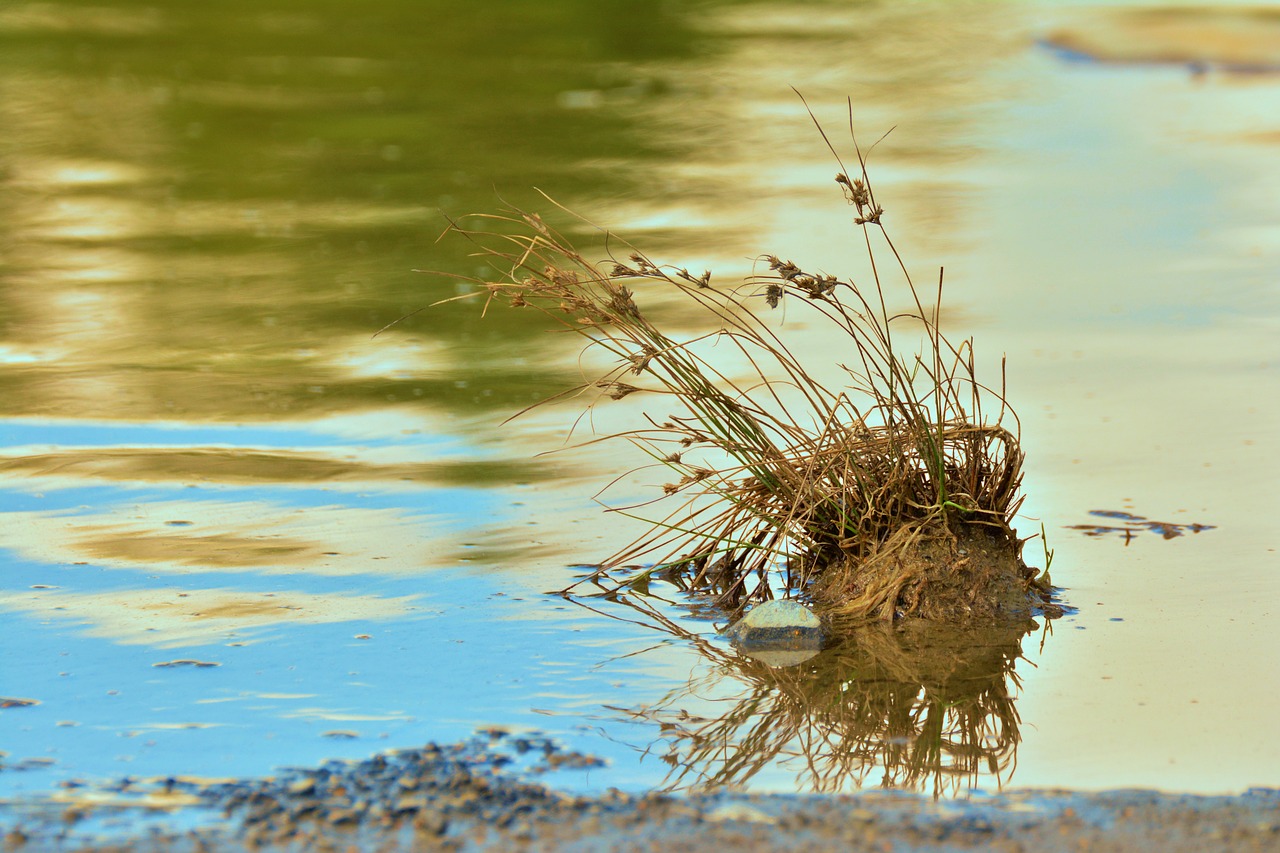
x: 463, y: 797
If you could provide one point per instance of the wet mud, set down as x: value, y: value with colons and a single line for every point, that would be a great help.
x: 465, y: 797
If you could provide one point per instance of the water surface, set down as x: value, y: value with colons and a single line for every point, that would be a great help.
x: 208, y: 456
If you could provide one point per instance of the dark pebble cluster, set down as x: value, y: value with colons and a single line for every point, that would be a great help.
x: 425, y: 791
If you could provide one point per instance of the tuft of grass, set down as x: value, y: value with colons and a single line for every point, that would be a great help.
x: 868, y: 498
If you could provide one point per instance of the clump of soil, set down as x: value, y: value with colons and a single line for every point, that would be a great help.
x: 948, y: 571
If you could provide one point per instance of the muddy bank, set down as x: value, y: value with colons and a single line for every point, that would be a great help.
x: 465, y: 797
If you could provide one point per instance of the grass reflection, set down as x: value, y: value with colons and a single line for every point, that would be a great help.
x: 917, y: 706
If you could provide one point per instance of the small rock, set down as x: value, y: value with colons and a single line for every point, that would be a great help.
x: 431, y: 822
x: 777, y: 625
x: 738, y: 813
x: 410, y: 804
x: 302, y: 787
x: 341, y: 816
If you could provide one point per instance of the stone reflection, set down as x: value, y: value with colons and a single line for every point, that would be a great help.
x: 921, y: 707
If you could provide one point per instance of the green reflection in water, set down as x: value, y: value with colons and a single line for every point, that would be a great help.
x: 207, y: 210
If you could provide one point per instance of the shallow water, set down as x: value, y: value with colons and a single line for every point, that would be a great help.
x: 207, y: 456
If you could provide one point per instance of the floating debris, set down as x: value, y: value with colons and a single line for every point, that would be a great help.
x: 1135, y: 524
x: 187, y: 662
x: 39, y: 762
x: 15, y: 702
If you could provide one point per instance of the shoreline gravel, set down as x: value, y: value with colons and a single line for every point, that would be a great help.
x: 464, y: 797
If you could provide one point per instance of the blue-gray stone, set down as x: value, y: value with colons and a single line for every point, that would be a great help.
x: 785, y: 625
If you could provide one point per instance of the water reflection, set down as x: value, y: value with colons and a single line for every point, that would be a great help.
x: 207, y: 213
x: 1244, y: 39
x: 206, y: 210
x: 914, y: 706
x: 76, y: 466
x: 232, y: 536
x: 926, y: 69
x: 177, y: 617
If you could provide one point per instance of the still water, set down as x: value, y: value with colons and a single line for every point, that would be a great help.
x: 208, y: 458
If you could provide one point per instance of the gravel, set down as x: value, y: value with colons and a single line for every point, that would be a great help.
x: 465, y: 797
